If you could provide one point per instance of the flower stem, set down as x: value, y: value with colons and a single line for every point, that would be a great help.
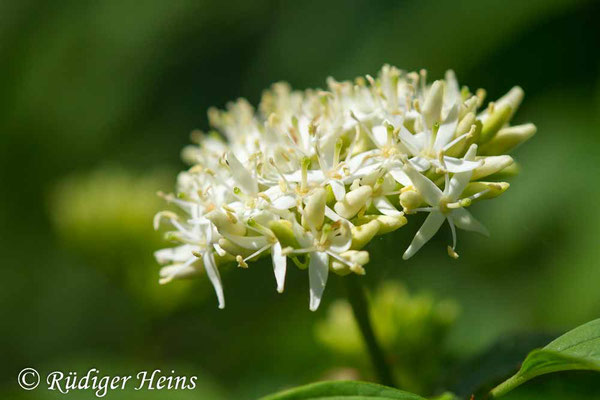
x: 358, y: 301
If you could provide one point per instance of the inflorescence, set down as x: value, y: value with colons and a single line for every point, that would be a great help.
x: 313, y: 176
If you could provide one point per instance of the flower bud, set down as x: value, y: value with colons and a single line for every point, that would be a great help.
x: 282, y: 229
x: 226, y: 223
x: 314, y: 212
x: 410, y: 199
x: 353, y: 202
x: 356, y: 259
x: 362, y: 234
x: 491, y: 165
x: 491, y: 189
x: 507, y: 139
x: 495, y: 121
x: 233, y: 248
x: 513, y: 98
x: 432, y: 107
x: 389, y: 223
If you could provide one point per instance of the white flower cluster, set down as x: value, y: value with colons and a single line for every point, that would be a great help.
x: 314, y: 175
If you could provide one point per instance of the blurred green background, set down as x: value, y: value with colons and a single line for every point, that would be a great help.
x: 96, y: 102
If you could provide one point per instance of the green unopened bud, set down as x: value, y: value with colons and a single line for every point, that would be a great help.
x: 389, y: 223
x: 340, y: 268
x: 464, y: 125
x: 356, y: 260
x: 508, y: 172
x: 226, y: 223
x: 353, y: 202
x: 410, y: 199
x: 507, y: 139
x: 432, y: 107
x: 495, y: 121
x: 282, y: 229
x: 233, y: 249
x: 491, y: 165
x: 314, y: 212
x: 460, y: 148
x: 362, y: 234
x: 513, y: 99
x: 469, y: 106
x: 489, y: 190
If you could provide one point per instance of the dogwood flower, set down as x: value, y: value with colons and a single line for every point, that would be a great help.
x: 313, y: 176
x: 444, y: 205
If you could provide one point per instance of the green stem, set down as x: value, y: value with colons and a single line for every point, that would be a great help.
x: 507, y: 386
x: 358, y: 301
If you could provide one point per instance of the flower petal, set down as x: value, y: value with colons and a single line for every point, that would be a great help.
x: 210, y: 266
x: 430, y: 192
x: 445, y: 132
x: 409, y: 140
x: 338, y: 189
x: 318, y: 270
x: 464, y: 220
x: 460, y: 180
x: 279, y: 265
x: 177, y: 254
x: 385, y: 207
x: 284, y: 202
x: 400, y: 176
x: 421, y: 164
x: 380, y: 135
x: 456, y: 165
x: 242, y: 177
x: 429, y: 228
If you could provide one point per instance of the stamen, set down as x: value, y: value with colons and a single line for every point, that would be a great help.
x: 459, y: 139
x: 241, y: 262
x: 256, y: 253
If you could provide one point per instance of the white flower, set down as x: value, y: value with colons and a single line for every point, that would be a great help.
x: 320, y: 241
x: 444, y: 205
x: 314, y: 175
x: 199, y: 248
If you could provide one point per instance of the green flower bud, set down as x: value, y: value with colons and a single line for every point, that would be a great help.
x: 507, y: 139
x: 513, y: 98
x: 491, y: 189
x: 410, y: 199
x: 226, y: 223
x: 282, y: 229
x: 389, y: 223
x: 353, y: 202
x: 233, y: 248
x: 314, y: 212
x: 432, y: 107
x: 495, y: 121
x: 491, y: 165
x: 362, y: 234
x: 356, y: 258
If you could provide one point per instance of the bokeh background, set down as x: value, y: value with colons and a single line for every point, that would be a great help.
x: 97, y: 99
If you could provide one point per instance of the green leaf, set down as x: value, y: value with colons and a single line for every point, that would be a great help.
x: 578, y: 349
x: 343, y: 390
